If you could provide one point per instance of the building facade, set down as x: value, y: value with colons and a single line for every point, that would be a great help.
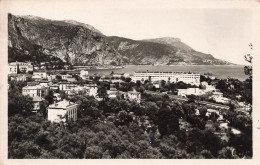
x: 22, y: 67
x: 36, y: 90
x: 62, y: 111
x: 188, y: 78
x: 41, y: 75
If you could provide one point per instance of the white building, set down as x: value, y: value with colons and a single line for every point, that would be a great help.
x: 24, y: 67
x: 68, y: 77
x: 156, y: 84
x: 188, y: 78
x: 134, y: 96
x: 208, y: 88
x: 62, y: 111
x: 218, y: 97
x: 51, y: 77
x: 84, y: 74
x: 36, y: 103
x: 12, y: 68
x: 190, y: 91
x: 19, y: 77
x: 36, y: 90
x: 92, y: 90
x: 39, y: 74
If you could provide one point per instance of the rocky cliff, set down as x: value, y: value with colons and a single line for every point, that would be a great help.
x: 72, y: 42
x: 162, y: 51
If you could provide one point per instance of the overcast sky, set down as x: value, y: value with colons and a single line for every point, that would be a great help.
x: 224, y: 33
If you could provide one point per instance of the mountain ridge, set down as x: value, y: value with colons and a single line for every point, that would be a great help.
x: 72, y: 42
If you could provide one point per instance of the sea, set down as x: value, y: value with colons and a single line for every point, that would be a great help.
x: 218, y: 71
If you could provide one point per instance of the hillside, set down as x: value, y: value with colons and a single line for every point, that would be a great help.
x: 71, y: 42
x: 167, y: 51
x: 38, y: 39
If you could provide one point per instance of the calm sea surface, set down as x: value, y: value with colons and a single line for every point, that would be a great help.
x: 225, y: 71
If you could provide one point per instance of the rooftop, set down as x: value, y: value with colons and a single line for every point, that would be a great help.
x: 164, y: 72
x: 62, y: 104
x: 33, y: 87
x: 37, y: 99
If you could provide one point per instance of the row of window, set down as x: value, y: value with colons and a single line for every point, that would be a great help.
x: 72, y: 113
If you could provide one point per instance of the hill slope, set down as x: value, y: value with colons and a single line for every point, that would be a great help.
x: 35, y: 38
x: 70, y: 42
x: 167, y: 51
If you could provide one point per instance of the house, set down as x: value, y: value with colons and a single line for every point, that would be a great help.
x: 36, y: 90
x: 23, y: 67
x: 207, y: 87
x: 57, y: 96
x: 76, y: 89
x: 83, y: 74
x: 156, y: 84
x: 63, y: 86
x: 33, y: 83
x: 62, y: 111
x: 44, y: 83
x: 134, y: 96
x: 212, y: 111
x: 126, y: 75
x: 12, y: 68
x: 223, y: 100
x: 54, y: 87
x: 112, y: 92
x: 51, y: 77
x: 19, y: 77
x: 36, y: 103
x: 190, y: 91
x: 217, y: 94
x: 39, y: 75
x: 92, y: 90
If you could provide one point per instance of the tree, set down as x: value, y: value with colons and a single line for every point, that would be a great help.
x: 124, y: 118
x: 19, y: 104
x: 102, y: 92
x: 163, y: 83
x: 227, y: 153
x: 128, y: 79
x: 58, y: 77
x: 168, y: 122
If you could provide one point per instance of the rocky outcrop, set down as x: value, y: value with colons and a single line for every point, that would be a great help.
x: 40, y: 40
x: 162, y: 51
x: 69, y: 41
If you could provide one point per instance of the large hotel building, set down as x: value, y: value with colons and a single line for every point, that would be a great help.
x: 188, y: 78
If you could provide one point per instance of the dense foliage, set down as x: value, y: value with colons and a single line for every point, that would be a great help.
x: 116, y: 128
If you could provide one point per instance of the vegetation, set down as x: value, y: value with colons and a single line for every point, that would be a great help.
x: 115, y: 129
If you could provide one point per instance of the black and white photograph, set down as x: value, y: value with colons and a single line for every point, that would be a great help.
x: 130, y: 80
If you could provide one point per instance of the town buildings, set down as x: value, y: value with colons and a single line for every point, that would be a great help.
x: 37, y: 103
x: 134, y: 96
x: 83, y: 74
x: 39, y: 75
x: 207, y: 87
x: 190, y: 91
x: 20, y: 67
x: 92, y: 90
x: 218, y: 97
x: 62, y: 111
x: 35, y: 90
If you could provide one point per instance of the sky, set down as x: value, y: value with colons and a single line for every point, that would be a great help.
x: 223, y: 32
